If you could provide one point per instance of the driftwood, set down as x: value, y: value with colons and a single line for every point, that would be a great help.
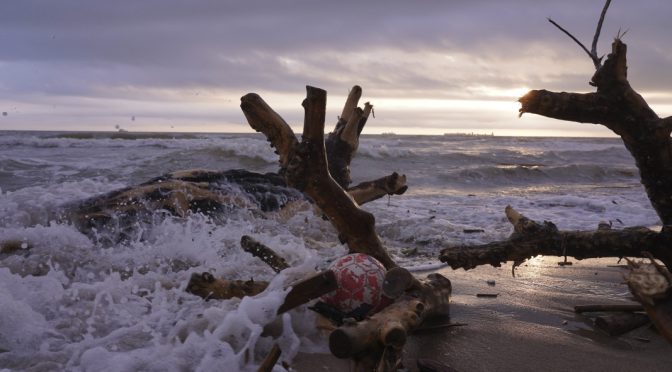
x: 651, y: 284
x: 375, y: 342
x: 645, y: 135
x: 307, y: 170
x: 264, y: 253
x: 530, y: 238
x: 390, y: 326
x: 620, y: 323
x: 269, y: 362
x: 208, y: 287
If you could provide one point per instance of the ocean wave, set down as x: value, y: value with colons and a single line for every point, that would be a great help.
x: 124, y: 135
x: 513, y: 174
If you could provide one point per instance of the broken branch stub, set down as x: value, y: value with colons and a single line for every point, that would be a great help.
x: 262, y: 118
x: 423, y: 299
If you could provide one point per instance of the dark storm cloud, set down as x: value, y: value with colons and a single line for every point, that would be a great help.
x: 439, y: 49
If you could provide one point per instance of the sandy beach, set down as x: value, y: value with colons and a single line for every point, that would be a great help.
x: 530, y: 325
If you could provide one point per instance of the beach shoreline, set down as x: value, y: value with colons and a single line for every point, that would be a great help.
x: 531, y: 325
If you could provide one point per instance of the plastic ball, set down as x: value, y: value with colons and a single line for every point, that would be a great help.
x: 360, y: 280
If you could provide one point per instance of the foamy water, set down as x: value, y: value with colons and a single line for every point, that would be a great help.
x: 70, y: 303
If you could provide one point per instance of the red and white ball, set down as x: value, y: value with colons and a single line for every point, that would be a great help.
x: 360, y: 281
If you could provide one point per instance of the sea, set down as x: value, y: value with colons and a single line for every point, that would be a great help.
x: 70, y: 302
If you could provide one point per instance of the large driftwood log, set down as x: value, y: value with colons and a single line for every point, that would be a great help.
x: 646, y: 136
x: 308, y: 171
x: 375, y: 342
x: 530, y: 239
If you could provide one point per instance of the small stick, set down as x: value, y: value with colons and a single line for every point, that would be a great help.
x: 491, y: 295
x: 270, y: 360
x: 264, y: 253
x: 607, y: 308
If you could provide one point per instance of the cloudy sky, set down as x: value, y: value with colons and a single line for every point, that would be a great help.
x: 429, y: 67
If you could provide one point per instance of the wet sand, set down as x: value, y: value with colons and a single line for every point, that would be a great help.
x: 530, y: 325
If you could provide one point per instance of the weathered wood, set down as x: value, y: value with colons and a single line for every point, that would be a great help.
x: 387, y: 327
x: 607, y: 308
x: 264, y: 253
x: 269, y: 361
x: 368, y: 191
x: 262, y: 118
x: 530, y: 239
x: 308, y: 172
x: 620, y: 108
x: 397, y: 281
x: 309, y: 289
x: 620, y: 323
x: 651, y: 285
x: 208, y: 287
x: 341, y: 144
x: 390, y: 326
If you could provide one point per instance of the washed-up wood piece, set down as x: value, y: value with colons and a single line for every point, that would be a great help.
x: 264, y: 253
x: 206, y: 286
x: 651, y: 284
x: 270, y: 360
x: 620, y: 323
x: 308, y: 289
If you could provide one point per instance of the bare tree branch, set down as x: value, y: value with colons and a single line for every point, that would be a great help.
x: 597, y: 36
x: 575, y: 40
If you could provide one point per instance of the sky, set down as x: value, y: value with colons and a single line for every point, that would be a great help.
x: 428, y: 67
